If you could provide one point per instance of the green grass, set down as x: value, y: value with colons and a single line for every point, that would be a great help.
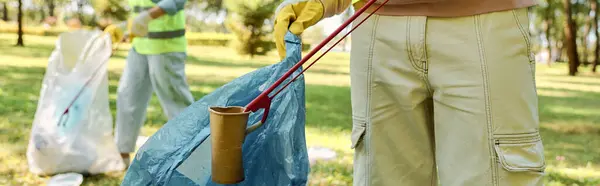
x: 569, y: 108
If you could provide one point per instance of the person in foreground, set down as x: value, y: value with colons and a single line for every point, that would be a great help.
x: 442, y: 91
x: 156, y: 62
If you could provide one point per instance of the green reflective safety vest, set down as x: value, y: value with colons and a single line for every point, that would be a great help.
x: 165, y: 34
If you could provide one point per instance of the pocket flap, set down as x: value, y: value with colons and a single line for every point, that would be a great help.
x: 521, y: 154
x: 359, y: 127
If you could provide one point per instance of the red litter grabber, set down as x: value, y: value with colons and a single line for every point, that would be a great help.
x: 228, y: 124
x: 264, y: 101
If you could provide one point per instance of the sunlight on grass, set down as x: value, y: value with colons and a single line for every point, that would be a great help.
x: 339, y: 141
x: 569, y: 110
x: 586, y: 78
x: 569, y: 86
x: 555, y: 93
x: 574, y: 128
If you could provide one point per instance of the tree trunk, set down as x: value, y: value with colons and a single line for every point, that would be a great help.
x: 549, y: 47
x: 80, y: 12
x: 51, y: 7
x: 584, y: 41
x: 4, y: 12
x: 586, y: 33
x: 570, y: 38
x: 560, y: 49
x: 594, y: 6
x: 43, y: 14
x: 20, y: 21
x: 548, y: 24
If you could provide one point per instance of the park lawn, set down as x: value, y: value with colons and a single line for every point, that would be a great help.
x: 569, y: 110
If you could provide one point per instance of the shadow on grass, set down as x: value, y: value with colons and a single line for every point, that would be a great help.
x: 247, y: 64
x: 38, y: 50
x: 584, y: 74
x: 30, y: 50
x: 570, y: 126
x: 104, y: 179
x: 576, y: 83
x: 328, y: 106
x: 19, y: 89
x: 233, y: 64
x: 328, y: 109
x: 119, y: 56
x: 578, y: 106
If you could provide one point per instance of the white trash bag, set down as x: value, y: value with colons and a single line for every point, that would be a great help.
x: 72, y: 128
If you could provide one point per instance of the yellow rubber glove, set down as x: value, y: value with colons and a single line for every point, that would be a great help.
x: 116, y: 32
x: 298, y: 15
x: 139, y: 24
x: 129, y: 25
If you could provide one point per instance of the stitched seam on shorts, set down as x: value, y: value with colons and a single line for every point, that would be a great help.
x: 421, y: 44
x: 525, y: 35
x: 424, y: 59
x: 532, y: 68
x: 429, y: 114
x: 425, y: 77
x: 484, y: 74
x: 423, y: 56
x: 523, y: 32
x: 411, y: 57
x: 527, y: 39
x: 429, y: 105
x: 528, y: 43
x: 367, y: 140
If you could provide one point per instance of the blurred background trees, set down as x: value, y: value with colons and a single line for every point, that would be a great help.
x: 4, y: 10
x: 249, y: 21
x: 566, y: 31
x: 111, y: 9
x: 562, y: 31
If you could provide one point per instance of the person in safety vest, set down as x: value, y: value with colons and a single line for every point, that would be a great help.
x: 155, y: 63
x: 442, y: 91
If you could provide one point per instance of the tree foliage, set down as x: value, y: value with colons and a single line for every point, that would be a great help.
x: 213, y: 5
x: 567, y: 30
x: 112, y: 9
x: 595, y: 9
x: 247, y: 20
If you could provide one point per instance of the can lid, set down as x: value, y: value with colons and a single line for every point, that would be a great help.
x: 66, y: 179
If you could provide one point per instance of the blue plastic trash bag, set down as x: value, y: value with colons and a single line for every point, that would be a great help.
x: 275, y: 154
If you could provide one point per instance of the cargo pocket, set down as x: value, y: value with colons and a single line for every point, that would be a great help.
x: 521, y: 158
x: 359, y: 127
x: 520, y: 152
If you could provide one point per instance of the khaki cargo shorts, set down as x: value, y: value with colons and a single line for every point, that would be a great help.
x: 445, y: 100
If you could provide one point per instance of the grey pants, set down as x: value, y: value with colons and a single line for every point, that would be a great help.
x: 165, y: 75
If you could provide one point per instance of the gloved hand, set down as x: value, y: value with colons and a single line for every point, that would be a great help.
x: 116, y: 32
x: 298, y: 15
x: 139, y: 27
